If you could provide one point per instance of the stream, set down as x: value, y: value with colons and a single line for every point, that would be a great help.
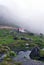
x: 23, y: 57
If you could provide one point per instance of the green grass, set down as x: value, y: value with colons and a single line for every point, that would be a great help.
x: 7, y: 38
x: 41, y: 53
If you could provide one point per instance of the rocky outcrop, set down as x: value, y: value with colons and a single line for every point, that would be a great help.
x: 35, y: 52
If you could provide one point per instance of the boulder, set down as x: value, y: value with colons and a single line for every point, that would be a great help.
x: 35, y: 53
x: 15, y: 38
x: 23, y: 38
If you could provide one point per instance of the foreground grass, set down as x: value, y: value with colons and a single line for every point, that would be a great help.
x: 9, y: 54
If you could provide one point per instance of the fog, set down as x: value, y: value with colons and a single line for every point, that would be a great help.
x: 28, y: 14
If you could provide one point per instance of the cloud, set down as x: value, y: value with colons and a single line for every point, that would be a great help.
x: 27, y: 13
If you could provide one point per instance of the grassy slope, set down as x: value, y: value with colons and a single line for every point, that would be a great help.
x: 7, y: 38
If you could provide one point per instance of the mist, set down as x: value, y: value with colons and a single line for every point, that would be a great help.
x: 28, y: 14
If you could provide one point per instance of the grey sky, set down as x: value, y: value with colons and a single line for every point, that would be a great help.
x: 27, y: 13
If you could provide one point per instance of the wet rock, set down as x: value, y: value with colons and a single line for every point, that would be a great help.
x: 26, y: 39
x: 35, y: 53
x: 15, y: 38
